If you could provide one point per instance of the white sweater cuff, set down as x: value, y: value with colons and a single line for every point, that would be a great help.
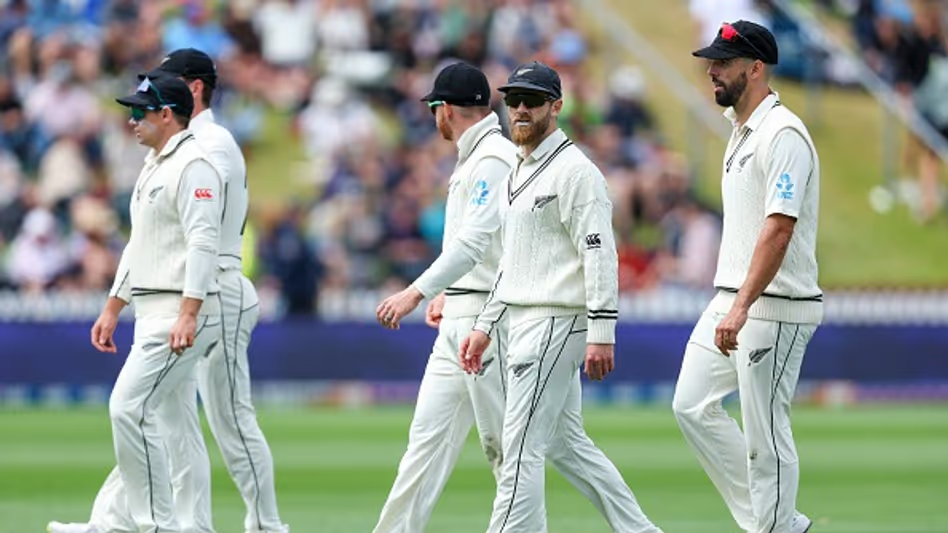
x: 601, y: 331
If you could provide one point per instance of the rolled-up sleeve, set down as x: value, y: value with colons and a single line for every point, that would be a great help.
x: 199, y: 206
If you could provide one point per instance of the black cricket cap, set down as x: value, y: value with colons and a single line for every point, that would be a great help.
x: 460, y: 84
x: 189, y: 63
x: 160, y: 91
x: 741, y: 39
x: 534, y: 76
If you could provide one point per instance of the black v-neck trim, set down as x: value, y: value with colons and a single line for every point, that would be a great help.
x: 513, y: 194
x: 490, y: 132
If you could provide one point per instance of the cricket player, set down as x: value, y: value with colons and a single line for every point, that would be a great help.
x: 753, y: 334
x: 223, y: 378
x: 168, y: 272
x: 558, y: 283
x: 450, y: 400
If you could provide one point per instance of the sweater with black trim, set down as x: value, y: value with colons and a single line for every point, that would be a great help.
x: 559, y: 253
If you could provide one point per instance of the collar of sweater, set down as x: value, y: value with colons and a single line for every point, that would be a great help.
x: 171, y: 146
x: 475, y: 133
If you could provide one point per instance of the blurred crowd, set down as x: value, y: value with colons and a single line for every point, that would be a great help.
x: 350, y: 74
x: 905, y: 43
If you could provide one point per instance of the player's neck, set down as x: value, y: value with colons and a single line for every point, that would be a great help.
x: 163, y: 140
x: 198, y: 109
x: 749, y: 103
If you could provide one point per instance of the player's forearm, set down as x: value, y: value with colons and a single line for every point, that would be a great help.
x: 114, y: 305
x: 190, y: 306
x: 457, y: 259
x: 768, y: 256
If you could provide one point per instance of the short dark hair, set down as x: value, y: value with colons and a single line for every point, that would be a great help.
x: 182, y: 120
x: 207, y: 90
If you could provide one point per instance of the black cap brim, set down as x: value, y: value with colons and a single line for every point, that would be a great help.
x: 527, y: 86
x: 715, y: 52
x: 430, y: 97
x: 135, y: 100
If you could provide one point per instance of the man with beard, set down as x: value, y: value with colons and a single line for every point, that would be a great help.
x: 753, y: 334
x: 449, y: 400
x: 558, y: 284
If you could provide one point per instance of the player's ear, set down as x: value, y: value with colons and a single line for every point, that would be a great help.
x: 557, y: 107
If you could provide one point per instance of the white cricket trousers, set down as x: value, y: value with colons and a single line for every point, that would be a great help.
x: 137, y: 495
x: 449, y: 402
x: 223, y: 380
x: 224, y: 384
x: 757, y: 471
x: 544, y: 420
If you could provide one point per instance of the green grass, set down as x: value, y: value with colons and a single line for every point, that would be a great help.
x: 857, y: 247
x: 866, y: 470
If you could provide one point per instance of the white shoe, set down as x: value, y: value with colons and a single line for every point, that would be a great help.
x: 801, y: 523
x: 59, y: 527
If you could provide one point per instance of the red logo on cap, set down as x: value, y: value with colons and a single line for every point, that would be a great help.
x: 203, y: 194
x: 728, y: 33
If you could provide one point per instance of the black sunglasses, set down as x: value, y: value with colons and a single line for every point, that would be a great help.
x: 531, y: 100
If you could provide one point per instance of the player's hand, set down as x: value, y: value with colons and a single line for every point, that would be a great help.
x: 103, y: 331
x: 396, y: 306
x: 433, y: 313
x: 600, y: 360
x: 472, y: 349
x: 183, y: 332
x: 725, y: 335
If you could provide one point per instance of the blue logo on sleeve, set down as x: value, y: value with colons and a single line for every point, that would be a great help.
x: 785, y: 187
x: 481, y: 190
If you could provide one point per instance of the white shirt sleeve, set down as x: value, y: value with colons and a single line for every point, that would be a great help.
x: 586, y: 213
x: 121, y: 287
x: 493, y: 310
x: 481, y: 220
x: 788, y: 173
x: 199, y: 206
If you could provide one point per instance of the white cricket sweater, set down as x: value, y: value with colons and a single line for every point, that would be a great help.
x: 559, y: 252
x: 224, y: 154
x: 470, y: 255
x: 176, y: 216
x: 771, y: 166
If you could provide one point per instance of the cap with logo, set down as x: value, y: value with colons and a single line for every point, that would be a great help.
x: 460, y: 84
x: 162, y: 90
x: 534, y: 76
x: 189, y: 63
x: 741, y: 39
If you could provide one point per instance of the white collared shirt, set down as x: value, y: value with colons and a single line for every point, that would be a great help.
x: 771, y: 167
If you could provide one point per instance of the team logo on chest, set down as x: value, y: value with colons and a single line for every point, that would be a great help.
x: 540, y: 202
x: 152, y: 194
x: 742, y: 161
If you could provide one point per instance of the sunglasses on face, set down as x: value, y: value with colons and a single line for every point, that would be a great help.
x: 138, y: 113
x: 146, y: 86
x: 434, y: 105
x: 531, y: 100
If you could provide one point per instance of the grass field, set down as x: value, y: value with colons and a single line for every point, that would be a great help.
x: 865, y: 470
